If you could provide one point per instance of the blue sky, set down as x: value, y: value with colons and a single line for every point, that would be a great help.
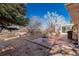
x: 40, y: 9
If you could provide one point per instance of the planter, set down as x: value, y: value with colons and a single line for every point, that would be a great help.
x: 70, y: 34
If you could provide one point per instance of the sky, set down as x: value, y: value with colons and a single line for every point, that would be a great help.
x: 40, y: 9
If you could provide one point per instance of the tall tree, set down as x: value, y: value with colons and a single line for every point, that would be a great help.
x: 12, y: 14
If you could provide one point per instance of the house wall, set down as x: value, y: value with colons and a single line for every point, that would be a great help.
x: 73, y: 9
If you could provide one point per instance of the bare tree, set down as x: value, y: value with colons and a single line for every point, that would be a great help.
x: 54, y: 21
x: 35, y: 23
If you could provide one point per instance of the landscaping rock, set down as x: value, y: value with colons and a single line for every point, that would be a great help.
x: 67, y: 49
x: 55, y: 49
x: 69, y: 52
x: 77, y: 51
x: 65, y: 46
